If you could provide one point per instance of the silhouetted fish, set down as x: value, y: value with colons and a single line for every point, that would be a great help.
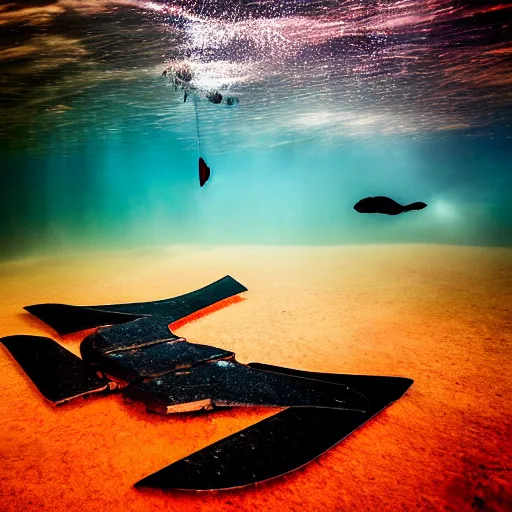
x: 204, y: 172
x: 381, y: 204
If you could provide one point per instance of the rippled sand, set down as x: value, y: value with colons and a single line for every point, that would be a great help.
x: 440, y: 315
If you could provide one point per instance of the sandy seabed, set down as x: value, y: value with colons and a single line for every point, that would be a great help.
x: 440, y: 315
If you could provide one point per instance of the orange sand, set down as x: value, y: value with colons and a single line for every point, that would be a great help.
x: 440, y: 315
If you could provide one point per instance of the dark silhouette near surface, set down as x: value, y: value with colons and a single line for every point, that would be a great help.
x: 180, y: 75
x: 232, y: 100
x: 214, y: 97
x: 385, y: 205
x: 204, y: 172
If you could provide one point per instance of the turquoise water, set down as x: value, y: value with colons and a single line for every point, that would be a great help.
x: 98, y: 151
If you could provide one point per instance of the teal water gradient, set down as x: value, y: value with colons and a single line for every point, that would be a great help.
x: 338, y: 101
x: 142, y: 189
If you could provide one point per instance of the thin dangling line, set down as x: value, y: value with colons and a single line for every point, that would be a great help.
x: 197, y: 112
x: 197, y: 126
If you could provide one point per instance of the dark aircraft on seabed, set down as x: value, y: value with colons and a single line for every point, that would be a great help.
x: 134, y: 352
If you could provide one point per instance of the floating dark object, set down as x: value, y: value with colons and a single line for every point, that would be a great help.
x: 232, y: 100
x: 204, y: 172
x: 279, y: 444
x: 185, y: 74
x: 385, y: 205
x: 136, y: 349
x: 180, y: 76
x: 179, y: 72
x: 214, y: 97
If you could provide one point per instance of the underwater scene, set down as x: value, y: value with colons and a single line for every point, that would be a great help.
x: 256, y: 255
